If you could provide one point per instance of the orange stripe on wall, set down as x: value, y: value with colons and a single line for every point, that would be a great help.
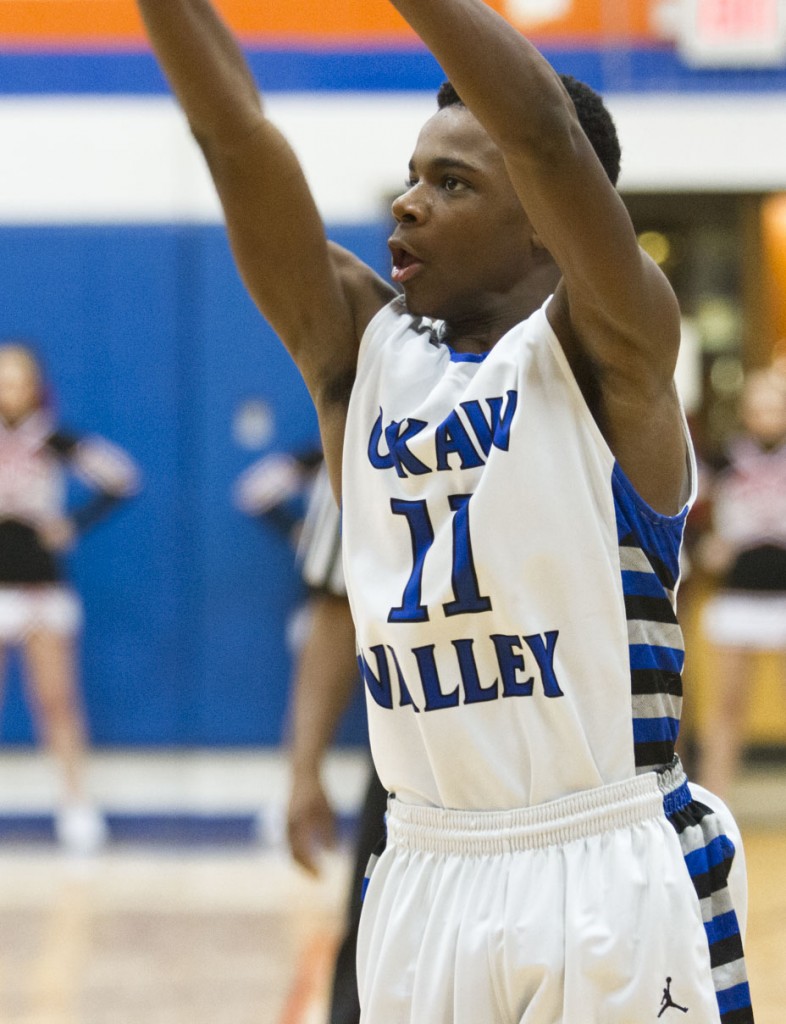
x: 71, y: 23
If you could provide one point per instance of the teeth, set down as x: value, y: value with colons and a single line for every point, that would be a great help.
x: 401, y: 258
x: 404, y: 264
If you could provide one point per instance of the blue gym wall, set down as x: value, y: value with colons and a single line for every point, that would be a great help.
x: 150, y: 339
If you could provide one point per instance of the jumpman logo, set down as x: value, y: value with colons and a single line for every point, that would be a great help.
x: 667, y: 1002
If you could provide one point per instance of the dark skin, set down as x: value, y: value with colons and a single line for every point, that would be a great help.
x: 327, y: 669
x: 507, y: 204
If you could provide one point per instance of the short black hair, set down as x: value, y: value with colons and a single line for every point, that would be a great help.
x: 592, y: 114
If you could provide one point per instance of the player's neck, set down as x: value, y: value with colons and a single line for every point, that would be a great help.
x: 481, y: 329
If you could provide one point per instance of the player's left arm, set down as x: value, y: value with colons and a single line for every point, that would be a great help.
x: 613, y: 304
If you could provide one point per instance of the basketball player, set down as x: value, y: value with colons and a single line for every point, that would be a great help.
x: 515, y: 473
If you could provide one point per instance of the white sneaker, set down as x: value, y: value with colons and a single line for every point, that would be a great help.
x: 80, y: 828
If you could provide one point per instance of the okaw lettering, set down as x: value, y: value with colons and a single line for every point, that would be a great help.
x: 464, y: 439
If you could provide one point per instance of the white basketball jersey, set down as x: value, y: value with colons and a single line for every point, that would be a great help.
x: 513, y: 596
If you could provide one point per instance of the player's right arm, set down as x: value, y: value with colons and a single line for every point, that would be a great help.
x: 318, y: 299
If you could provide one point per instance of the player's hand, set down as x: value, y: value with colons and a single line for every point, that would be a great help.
x: 311, y: 824
x: 57, y: 534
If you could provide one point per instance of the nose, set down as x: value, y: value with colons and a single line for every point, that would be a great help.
x: 411, y: 206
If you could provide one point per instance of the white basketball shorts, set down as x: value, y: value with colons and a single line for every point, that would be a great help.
x: 620, y: 905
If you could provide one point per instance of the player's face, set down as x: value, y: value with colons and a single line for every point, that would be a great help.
x: 20, y: 385
x: 462, y: 242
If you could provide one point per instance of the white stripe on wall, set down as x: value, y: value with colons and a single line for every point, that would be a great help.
x: 720, y: 143
x: 69, y: 160
x: 129, y: 160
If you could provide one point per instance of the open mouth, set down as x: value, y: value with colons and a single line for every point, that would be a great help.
x: 405, y: 264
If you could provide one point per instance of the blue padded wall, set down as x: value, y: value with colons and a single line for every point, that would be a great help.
x: 150, y: 339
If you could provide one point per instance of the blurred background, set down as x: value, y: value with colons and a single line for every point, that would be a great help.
x: 114, y: 264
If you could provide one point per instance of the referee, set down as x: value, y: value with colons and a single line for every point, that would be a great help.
x: 325, y: 679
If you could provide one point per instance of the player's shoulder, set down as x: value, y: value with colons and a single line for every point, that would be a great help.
x: 366, y: 291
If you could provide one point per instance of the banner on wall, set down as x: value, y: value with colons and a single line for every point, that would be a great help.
x: 733, y: 33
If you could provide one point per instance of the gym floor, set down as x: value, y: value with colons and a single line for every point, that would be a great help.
x: 193, y: 914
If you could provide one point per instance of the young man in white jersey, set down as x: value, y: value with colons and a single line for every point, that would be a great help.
x: 515, y: 471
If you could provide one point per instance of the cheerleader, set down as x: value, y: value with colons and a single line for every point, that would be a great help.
x: 40, y: 615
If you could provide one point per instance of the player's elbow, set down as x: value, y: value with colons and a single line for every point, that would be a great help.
x: 216, y: 135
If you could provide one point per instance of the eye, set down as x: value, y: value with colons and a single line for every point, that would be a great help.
x: 410, y: 182
x: 451, y: 184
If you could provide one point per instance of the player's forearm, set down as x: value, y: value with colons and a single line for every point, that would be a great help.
x: 205, y: 67
x: 500, y: 76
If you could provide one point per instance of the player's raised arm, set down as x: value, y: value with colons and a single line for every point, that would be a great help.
x: 317, y: 300
x: 613, y: 305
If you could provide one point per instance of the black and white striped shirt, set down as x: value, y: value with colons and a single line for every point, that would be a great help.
x: 319, y: 547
